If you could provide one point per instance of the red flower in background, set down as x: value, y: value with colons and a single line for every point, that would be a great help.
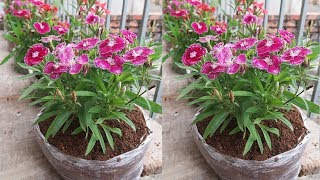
x: 219, y: 27
x: 37, y: 2
x: 199, y: 27
x: 48, y: 8
x: 193, y: 54
x: 42, y: 27
x: 205, y: 7
x: 35, y: 54
x: 23, y: 13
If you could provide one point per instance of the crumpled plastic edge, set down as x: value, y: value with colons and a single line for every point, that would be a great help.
x: 131, y: 161
x: 282, y: 166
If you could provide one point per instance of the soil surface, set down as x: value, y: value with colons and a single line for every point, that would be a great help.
x: 75, y: 145
x: 233, y: 145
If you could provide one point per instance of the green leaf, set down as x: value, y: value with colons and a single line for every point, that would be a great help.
x: 302, y: 103
x: 280, y: 116
x: 272, y: 130
x: 95, y: 130
x: 248, y: 145
x: 95, y: 109
x: 189, y: 88
x: 6, y: 59
x: 255, y: 135
x: 266, y: 137
x: 215, y: 123
x: 91, y: 144
x: 144, y: 103
x: 86, y: 93
x: 77, y: 131
x: 108, y: 135
x: 244, y: 93
x: 58, y: 121
x: 123, y: 117
x: 235, y: 130
x: 45, y: 116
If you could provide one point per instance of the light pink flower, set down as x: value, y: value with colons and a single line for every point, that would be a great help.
x: 179, y: 13
x: 194, y: 2
x: 208, y: 38
x: 199, y: 27
x: 222, y: 52
x: 296, y: 55
x: 77, y: 65
x: 111, y: 45
x: 193, y: 54
x: 138, y: 55
x: 50, y: 38
x: 250, y: 19
x: 37, y: 2
x: 271, y: 44
x: 219, y: 28
x: 212, y: 70
x: 60, y: 29
x: 112, y: 64
x: 246, y: 43
x: 129, y: 36
x: 87, y: 44
x: 92, y: 19
x: 42, y: 27
x: 54, y: 70
x: 270, y: 63
x: 23, y: 13
x: 64, y: 53
x: 286, y: 35
x: 35, y: 55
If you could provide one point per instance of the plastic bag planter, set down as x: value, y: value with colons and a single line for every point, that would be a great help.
x: 127, y: 166
x: 285, y: 166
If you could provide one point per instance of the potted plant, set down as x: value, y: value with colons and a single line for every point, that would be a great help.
x: 250, y: 125
x: 90, y: 87
x: 27, y: 21
x: 178, y: 17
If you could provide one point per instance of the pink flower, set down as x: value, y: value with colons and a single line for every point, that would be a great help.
x: 222, y: 52
x: 42, y: 27
x: 271, y: 44
x: 54, y: 70
x: 111, y: 45
x: 23, y: 13
x: 92, y: 18
x: 87, y: 44
x: 219, y: 28
x: 246, y: 43
x: 114, y: 65
x: 194, y: 2
x: 296, y: 55
x: 64, y: 53
x: 37, y: 2
x: 200, y: 27
x: 138, y: 55
x: 271, y: 64
x: 193, y: 54
x: 50, y: 38
x: 129, y: 36
x: 35, y: 54
x: 208, y: 38
x: 60, y: 29
x: 212, y: 70
x: 179, y: 13
x: 250, y: 19
x: 77, y: 65
x: 286, y: 35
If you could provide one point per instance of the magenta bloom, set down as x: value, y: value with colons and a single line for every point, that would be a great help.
x: 208, y: 38
x: 60, y: 29
x: 92, y: 18
x: 35, y: 54
x: 42, y: 27
x: 250, y: 19
x: 50, y: 38
x: 246, y: 43
x: 296, y: 55
x: 64, y: 53
x: 179, y: 13
x: 76, y: 66
x: 222, y: 52
x: 194, y: 2
x: 270, y: 44
x: 111, y: 45
x: 286, y: 35
x: 87, y: 44
x: 193, y: 54
x: 129, y: 36
x: 199, y: 27
x: 36, y: 2
x: 23, y: 13
x: 270, y: 64
x: 219, y: 29
x: 54, y: 70
x: 138, y: 55
x: 114, y: 65
x: 212, y: 70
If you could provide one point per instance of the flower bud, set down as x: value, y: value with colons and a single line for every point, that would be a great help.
x: 119, y: 85
x: 277, y: 85
x: 124, y: 89
x: 74, y: 96
x: 59, y: 93
x: 305, y: 63
x: 218, y: 94
x: 231, y: 96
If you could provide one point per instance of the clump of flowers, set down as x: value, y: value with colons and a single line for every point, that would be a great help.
x: 244, y: 77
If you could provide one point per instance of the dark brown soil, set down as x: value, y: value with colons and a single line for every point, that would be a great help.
x: 75, y: 145
x: 233, y: 145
